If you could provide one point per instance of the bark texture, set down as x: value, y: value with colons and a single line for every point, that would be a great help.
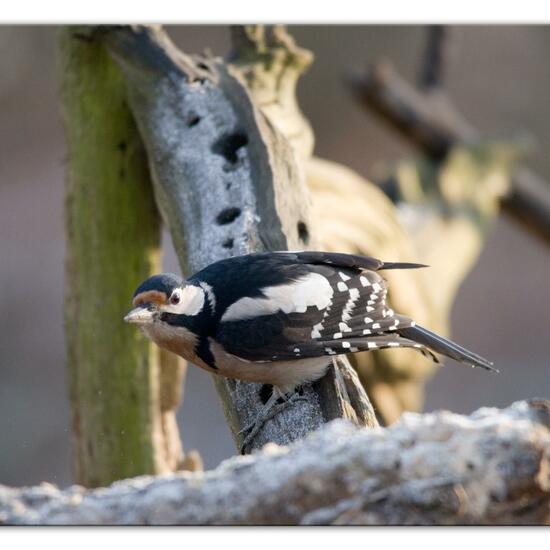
x: 492, y: 467
x: 227, y: 183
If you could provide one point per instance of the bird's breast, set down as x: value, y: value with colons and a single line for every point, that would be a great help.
x: 178, y: 340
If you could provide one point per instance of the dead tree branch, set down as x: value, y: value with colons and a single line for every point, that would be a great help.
x: 433, y: 67
x: 432, y: 123
x: 492, y: 467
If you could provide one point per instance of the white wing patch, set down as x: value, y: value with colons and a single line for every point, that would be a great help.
x: 313, y: 290
x: 316, y: 332
x: 191, y: 301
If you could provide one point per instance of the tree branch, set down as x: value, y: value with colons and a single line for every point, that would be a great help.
x: 435, y: 56
x: 432, y: 123
x: 492, y: 467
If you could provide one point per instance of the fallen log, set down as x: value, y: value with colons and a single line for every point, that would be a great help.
x: 492, y: 467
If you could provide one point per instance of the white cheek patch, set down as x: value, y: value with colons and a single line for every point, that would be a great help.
x: 313, y: 290
x: 191, y: 301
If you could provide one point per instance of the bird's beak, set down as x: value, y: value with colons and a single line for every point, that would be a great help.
x: 141, y: 315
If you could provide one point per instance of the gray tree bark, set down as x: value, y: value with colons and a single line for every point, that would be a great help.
x: 492, y: 467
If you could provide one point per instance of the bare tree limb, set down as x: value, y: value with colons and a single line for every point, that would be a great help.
x: 492, y: 467
x: 432, y: 123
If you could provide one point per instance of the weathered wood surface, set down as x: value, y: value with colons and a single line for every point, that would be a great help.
x: 227, y: 183
x: 492, y: 467
x: 122, y: 425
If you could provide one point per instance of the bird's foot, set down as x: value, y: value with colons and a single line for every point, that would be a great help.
x: 271, y: 409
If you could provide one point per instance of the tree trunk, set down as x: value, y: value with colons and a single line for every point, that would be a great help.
x: 113, y: 239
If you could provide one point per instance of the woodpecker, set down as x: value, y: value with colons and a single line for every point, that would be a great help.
x: 279, y: 318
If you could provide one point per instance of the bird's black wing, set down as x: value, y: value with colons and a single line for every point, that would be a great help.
x: 245, y: 276
x: 355, y: 317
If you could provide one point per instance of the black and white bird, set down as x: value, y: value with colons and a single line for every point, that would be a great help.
x: 278, y: 318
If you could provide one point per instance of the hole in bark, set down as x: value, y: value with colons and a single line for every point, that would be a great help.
x: 229, y: 144
x: 303, y: 232
x: 228, y: 243
x: 122, y: 146
x: 227, y: 185
x: 228, y: 215
x: 192, y: 119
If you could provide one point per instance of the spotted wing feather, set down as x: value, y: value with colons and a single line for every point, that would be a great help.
x: 357, y: 318
x: 354, y: 318
x: 359, y: 309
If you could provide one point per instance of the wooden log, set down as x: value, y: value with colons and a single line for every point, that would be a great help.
x: 489, y: 468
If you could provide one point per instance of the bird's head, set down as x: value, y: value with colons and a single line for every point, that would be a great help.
x: 171, y: 311
x: 165, y: 298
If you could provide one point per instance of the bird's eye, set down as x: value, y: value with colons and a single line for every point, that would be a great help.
x: 175, y: 298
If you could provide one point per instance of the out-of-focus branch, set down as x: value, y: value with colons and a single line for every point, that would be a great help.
x: 173, y: 370
x: 432, y: 123
x: 350, y: 214
x: 434, y: 61
x: 492, y: 467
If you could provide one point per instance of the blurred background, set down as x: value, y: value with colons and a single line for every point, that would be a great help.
x: 498, y: 76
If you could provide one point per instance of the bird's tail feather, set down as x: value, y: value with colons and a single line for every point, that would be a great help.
x: 445, y: 347
x: 401, y: 265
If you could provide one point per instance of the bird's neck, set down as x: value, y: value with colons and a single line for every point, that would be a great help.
x: 177, y: 339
